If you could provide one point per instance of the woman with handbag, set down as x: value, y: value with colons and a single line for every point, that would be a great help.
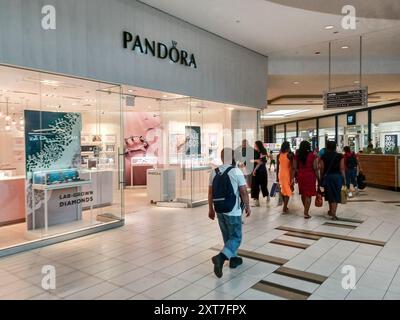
x: 334, y: 177
x: 305, y: 165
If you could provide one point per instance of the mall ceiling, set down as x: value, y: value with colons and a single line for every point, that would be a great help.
x: 293, y: 34
x: 278, y: 25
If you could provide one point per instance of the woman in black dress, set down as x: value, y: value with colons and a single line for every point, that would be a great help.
x: 333, y: 177
x: 260, y: 175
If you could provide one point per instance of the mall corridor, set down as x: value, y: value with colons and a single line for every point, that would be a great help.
x: 164, y: 253
x: 217, y: 158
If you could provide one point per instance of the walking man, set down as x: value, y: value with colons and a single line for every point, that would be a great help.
x: 244, y: 155
x: 227, y: 196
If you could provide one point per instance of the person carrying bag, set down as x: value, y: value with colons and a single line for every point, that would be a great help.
x: 334, y: 177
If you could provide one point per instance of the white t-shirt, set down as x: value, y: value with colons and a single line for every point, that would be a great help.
x: 237, y: 180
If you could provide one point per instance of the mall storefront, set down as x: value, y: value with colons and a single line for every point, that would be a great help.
x: 78, y: 131
x: 379, y: 125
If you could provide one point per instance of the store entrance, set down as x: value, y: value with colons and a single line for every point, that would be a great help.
x: 172, y: 143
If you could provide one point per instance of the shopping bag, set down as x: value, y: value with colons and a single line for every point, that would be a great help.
x: 361, y: 181
x: 319, y: 201
x: 280, y: 197
x: 274, y: 190
x: 343, y: 195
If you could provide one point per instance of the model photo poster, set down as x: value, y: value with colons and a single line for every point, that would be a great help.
x: 193, y: 140
x: 52, y: 142
x: 143, y: 140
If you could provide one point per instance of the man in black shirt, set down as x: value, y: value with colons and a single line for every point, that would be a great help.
x: 243, y: 155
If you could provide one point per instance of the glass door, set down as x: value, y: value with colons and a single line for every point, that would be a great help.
x: 106, y: 168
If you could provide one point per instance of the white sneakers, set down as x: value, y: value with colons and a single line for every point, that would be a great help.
x: 256, y: 203
x: 350, y: 194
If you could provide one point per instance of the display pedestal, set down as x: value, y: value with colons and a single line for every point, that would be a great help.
x: 161, y: 185
x: 72, y: 216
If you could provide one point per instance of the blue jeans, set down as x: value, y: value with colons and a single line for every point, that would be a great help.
x: 351, y: 177
x: 231, y: 228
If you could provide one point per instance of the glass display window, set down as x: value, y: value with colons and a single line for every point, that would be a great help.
x: 59, y: 166
x: 386, y: 130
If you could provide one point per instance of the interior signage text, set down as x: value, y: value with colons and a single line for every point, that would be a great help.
x: 76, y: 198
x: 345, y: 99
x: 159, y: 50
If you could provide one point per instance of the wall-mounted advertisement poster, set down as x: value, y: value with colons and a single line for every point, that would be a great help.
x: 390, y: 142
x: 193, y: 140
x: 143, y: 139
x: 52, y: 149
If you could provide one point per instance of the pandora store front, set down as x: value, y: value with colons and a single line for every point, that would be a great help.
x: 79, y: 82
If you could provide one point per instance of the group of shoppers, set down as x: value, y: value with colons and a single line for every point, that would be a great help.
x: 247, y: 167
x: 328, y: 170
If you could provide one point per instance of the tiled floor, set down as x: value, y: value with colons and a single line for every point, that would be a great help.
x: 164, y: 253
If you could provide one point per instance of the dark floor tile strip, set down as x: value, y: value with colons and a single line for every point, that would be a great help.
x: 302, y: 235
x: 333, y: 236
x: 281, y: 291
x: 291, y: 244
x: 351, y: 220
x: 361, y: 200
x: 339, y: 225
x: 258, y: 256
x: 391, y: 201
x: 301, y: 275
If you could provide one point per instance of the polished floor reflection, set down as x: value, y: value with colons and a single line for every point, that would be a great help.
x: 164, y: 253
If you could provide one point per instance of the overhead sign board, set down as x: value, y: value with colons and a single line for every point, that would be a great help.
x: 346, y: 99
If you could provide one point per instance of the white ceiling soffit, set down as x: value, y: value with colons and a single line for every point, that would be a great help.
x: 266, y: 27
x: 382, y: 9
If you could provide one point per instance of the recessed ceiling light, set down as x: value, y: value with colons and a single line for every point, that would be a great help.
x: 165, y: 96
x: 130, y: 90
x: 357, y: 82
x: 296, y: 82
x: 345, y: 47
x: 52, y: 83
x: 329, y: 27
x: 231, y: 108
x: 282, y: 113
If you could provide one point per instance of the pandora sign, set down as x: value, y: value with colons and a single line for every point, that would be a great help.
x: 158, y: 49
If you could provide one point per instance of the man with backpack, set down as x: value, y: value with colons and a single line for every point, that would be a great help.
x: 351, y: 165
x: 227, y: 197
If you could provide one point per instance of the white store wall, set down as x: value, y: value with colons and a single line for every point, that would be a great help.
x: 88, y: 43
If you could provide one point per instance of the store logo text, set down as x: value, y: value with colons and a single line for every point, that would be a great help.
x: 159, y: 50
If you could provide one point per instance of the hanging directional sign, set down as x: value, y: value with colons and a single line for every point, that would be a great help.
x: 346, y: 99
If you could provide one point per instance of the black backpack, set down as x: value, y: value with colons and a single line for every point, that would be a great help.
x: 352, y: 162
x: 224, y: 197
